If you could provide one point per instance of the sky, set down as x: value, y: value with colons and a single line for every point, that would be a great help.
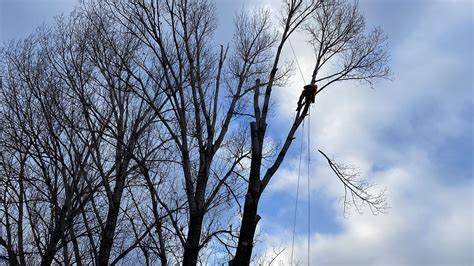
x: 413, y: 136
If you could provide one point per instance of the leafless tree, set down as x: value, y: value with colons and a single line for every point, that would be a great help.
x: 51, y: 155
x: 68, y: 105
x: 12, y: 168
x: 337, y: 33
x: 203, y: 98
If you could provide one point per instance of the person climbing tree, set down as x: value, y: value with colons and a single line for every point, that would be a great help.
x: 308, y: 94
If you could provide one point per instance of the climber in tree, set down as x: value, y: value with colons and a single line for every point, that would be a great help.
x: 308, y: 94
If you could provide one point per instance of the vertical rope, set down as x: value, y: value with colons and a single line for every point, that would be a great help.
x: 309, y: 187
x: 297, y: 194
x: 299, y: 172
x: 296, y: 59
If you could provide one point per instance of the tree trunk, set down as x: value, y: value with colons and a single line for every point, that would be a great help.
x: 154, y: 203
x: 191, y: 248
x: 58, y: 232
x: 50, y: 251
x: 250, y: 217
x: 65, y: 252
x: 111, y: 223
x: 162, y: 254
x: 21, y: 197
x: 247, y: 230
x: 75, y: 244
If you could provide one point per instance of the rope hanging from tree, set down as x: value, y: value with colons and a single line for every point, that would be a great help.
x: 299, y: 173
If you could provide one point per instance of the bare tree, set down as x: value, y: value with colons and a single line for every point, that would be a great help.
x: 203, y: 99
x: 68, y: 106
x: 51, y: 171
x: 337, y: 32
x: 12, y: 168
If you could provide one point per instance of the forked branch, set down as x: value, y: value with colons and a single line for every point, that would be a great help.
x: 356, y: 190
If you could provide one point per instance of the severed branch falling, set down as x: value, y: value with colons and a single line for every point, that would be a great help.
x: 356, y: 190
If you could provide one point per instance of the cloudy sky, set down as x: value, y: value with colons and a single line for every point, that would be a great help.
x: 412, y: 136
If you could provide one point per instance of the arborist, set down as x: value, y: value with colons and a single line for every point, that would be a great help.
x: 308, y: 94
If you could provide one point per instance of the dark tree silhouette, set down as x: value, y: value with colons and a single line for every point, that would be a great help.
x: 337, y: 33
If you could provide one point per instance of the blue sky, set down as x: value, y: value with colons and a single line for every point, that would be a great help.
x: 412, y: 136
